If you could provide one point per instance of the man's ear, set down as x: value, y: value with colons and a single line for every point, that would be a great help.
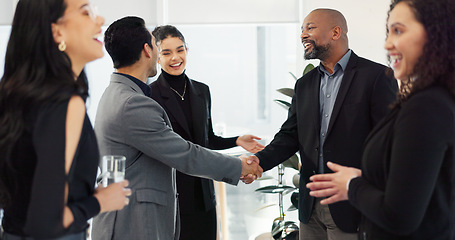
x: 147, y: 50
x: 336, y: 32
x: 57, y: 33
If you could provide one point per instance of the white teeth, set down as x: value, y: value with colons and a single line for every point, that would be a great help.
x: 176, y: 65
x: 307, y: 45
x: 395, y: 58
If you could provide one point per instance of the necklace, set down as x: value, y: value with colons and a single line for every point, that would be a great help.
x: 182, y: 95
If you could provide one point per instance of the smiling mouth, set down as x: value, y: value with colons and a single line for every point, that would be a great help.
x: 395, y: 59
x: 307, y: 45
x: 176, y: 65
x: 97, y: 36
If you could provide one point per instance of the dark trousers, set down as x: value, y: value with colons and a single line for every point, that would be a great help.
x: 200, y: 226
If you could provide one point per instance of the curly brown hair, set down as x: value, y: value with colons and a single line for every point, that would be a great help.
x: 436, y: 66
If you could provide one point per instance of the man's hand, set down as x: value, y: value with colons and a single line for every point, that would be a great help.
x: 247, y: 163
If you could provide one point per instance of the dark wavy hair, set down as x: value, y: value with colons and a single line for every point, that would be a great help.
x: 436, y: 66
x: 124, y: 40
x: 162, y: 32
x: 35, y: 72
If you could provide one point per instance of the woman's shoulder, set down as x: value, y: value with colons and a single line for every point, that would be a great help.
x: 430, y: 102
x: 433, y: 95
x: 59, y: 110
x: 199, y: 85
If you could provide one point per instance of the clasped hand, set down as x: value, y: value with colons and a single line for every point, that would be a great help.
x: 250, y: 169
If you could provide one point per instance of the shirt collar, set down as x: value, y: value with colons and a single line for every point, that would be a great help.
x: 144, y: 87
x: 342, y: 63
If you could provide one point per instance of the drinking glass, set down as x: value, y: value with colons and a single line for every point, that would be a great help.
x: 112, y: 169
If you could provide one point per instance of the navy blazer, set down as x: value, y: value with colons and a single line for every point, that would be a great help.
x: 202, y: 135
x: 364, y: 97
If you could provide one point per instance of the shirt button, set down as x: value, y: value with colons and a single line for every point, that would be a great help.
x: 328, y: 95
x: 323, y: 134
x: 327, y: 115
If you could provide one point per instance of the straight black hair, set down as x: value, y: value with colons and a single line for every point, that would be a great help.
x: 35, y: 72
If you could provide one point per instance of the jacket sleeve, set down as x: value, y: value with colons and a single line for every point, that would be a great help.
x: 147, y: 128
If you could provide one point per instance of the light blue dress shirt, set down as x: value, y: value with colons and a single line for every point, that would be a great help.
x: 328, y: 91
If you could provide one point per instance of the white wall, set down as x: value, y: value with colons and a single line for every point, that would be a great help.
x: 112, y: 10
x: 232, y: 11
x: 7, y: 11
x: 366, y: 19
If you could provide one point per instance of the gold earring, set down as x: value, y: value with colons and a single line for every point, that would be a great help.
x: 62, y: 46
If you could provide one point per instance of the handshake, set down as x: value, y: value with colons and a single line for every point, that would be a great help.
x: 250, y: 169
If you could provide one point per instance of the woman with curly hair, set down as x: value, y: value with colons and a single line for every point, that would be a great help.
x: 48, y: 150
x: 406, y: 188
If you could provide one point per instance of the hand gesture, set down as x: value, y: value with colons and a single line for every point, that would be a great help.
x: 249, y: 143
x: 113, y: 197
x: 333, y: 184
x: 250, y: 171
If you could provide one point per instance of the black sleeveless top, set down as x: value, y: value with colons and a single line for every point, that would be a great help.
x: 39, y: 159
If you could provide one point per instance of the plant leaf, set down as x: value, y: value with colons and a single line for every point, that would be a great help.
x: 286, y: 91
x: 308, y: 68
x: 292, y: 74
x: 283, y: 104
x: 292, y: 162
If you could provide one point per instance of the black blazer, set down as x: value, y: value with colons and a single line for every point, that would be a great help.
x: 407, y: 188
x: 199, y: 95
x: 363, y: 99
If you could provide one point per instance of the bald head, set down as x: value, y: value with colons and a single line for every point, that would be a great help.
x: 332, y: 17
x: 324, y: 35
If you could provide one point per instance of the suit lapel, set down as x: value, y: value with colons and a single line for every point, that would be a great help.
x: 314, y: 101
x: 171, y: 104
x: 198, y: 112
x: 349, y: 75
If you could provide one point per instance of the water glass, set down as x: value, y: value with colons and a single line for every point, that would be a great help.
x: 112, y: 169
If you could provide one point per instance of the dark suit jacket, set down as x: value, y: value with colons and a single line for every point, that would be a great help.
x: 203, y: 135
x: 407, y: 188
x: 363, y: 99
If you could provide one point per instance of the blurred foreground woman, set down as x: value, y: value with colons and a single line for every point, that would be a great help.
x: 406, y: 188
x: 48, y: 150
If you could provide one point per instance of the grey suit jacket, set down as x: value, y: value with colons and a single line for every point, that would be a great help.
x: 131, y: 124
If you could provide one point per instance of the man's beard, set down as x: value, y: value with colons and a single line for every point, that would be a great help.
x: 318, y: 52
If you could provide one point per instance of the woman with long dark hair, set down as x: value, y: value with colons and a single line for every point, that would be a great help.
x: 406, y: 188
x: 48, y: 150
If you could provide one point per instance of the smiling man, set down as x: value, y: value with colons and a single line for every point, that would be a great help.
x: 334, y: 108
